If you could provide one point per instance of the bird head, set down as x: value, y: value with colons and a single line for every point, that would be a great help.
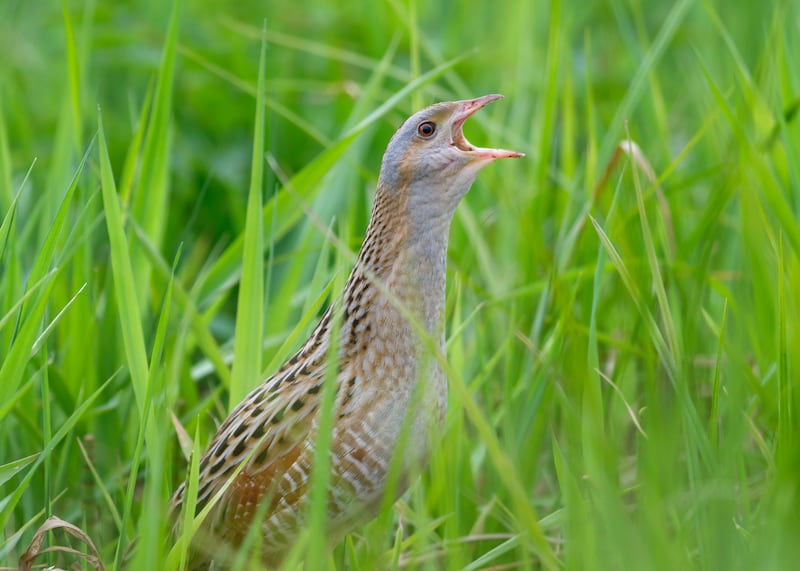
x: 431, y: 160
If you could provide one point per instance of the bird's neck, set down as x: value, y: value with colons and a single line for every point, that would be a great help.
x: 407, y: 255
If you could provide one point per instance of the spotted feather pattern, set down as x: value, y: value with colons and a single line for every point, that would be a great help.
x: 272, y: 431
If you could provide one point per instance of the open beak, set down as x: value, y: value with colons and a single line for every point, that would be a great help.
x: 465, y: 110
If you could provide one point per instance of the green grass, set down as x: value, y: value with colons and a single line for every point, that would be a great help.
x: 622, y: 304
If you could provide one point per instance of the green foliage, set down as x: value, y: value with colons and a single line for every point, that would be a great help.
x: 623, y: 303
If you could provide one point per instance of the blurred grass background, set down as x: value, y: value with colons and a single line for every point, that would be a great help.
x: 622, y: 303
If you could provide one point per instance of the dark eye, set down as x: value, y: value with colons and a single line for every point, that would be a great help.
x: 426, y: 129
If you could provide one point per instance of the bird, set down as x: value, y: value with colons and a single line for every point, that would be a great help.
x: 260, y: 461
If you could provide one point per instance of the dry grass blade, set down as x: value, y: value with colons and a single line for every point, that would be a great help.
x: 184, y: 440
x: 53, y: 523
x: 634, y: 153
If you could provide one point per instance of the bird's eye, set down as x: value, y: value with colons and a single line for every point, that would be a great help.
x: 426, y: 129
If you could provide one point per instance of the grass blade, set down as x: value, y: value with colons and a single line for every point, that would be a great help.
x: 250, y: 319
